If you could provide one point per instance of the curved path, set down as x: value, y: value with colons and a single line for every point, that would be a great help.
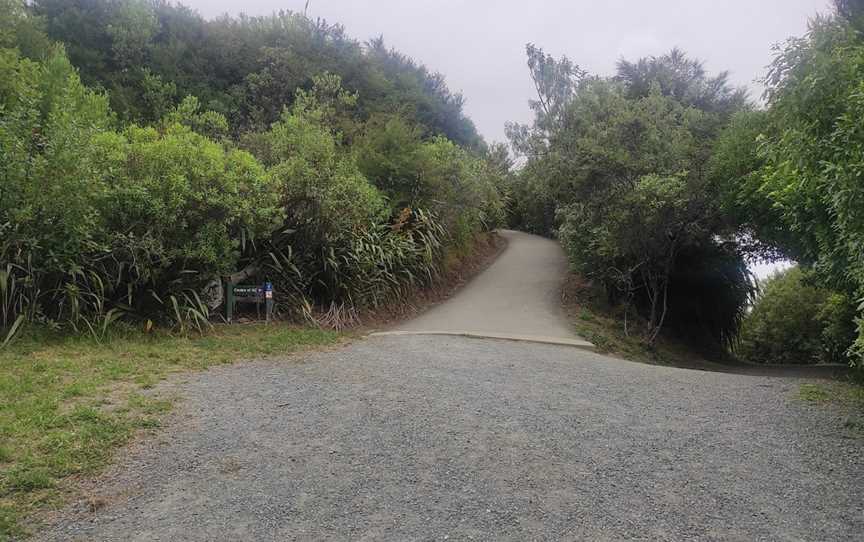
x: 517, y: 297
x: 443, y: 437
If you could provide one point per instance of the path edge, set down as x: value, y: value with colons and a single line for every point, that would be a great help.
x: 573, y: 343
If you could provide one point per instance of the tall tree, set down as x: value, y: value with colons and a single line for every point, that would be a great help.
x: 682, y: 78
x: 804, y: 178
x: 617, y: 168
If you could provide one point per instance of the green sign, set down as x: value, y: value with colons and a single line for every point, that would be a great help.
x: 261, y: 296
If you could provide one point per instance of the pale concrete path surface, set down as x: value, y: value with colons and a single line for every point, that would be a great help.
x: 518, y: 298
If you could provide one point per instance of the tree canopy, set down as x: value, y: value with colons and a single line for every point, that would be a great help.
x: 663, y: 180
x: 616, y: 167
x: 143, y: 166
x: 793, y: 172
x: 149, y: 54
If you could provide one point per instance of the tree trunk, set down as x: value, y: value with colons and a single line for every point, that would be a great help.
x: 667, y: 272
x: 659, y: 325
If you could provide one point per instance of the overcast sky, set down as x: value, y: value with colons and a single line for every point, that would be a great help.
x: 479, y: 45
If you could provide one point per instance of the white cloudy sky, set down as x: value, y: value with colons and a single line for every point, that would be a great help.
x: 479, y: 44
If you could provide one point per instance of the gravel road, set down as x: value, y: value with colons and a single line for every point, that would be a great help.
x: 442, y: 437
x: 422, y: 438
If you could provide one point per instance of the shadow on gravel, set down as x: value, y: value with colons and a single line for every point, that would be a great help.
x: 827, y: 372
x: 824, y: 372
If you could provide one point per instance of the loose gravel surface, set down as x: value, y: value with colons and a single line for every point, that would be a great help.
x: 430, y: 438
x: 424, y: 437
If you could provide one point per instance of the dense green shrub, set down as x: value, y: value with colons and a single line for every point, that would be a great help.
x: 367, y: 223
x: 326, y: 202
x: 795, y: 322
x: 651, y: 246
x: 463, y: 190
x: 21, y: 29
x: 49, y: 120
x: 48, y: 208
x: 97, y: 220
x: 616, y: 168
x: 837, y: 318
x: 185, y: 194
x: 317, y: 182
x: 102, y: 220
x: 149, y: 55
x: 793, y: 172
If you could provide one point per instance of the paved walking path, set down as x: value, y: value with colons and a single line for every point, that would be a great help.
x: 428, y: 437
x: 517, y: 297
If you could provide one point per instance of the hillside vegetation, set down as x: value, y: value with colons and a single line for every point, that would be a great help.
x: 149, y: 154
x: 663, y: 182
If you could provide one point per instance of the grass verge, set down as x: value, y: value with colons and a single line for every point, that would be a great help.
x: 848, y: 397
x: 842, y: 393
x: 603, y: 325
x: 67, y: 403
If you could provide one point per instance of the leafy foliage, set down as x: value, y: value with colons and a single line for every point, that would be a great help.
x: 617, y: 170
x: 661, y: 180
x: 97, y: 220
x: 795, y: 322
x: 247, y: 68
x: 104, y: 220
x: 794, y: 173
x: 682, y: 78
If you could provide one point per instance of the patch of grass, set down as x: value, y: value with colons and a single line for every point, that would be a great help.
x: 856, y: 425
x: 67, y: 403
x: 814, y: 393
x: 843, y: 393
x: 848, y: 396
x: 601, y: 325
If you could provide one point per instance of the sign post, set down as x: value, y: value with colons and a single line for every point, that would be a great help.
x: 260, y: 295
x: 268, y: 300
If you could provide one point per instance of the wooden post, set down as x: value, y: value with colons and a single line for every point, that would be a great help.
x: 229, y: 301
